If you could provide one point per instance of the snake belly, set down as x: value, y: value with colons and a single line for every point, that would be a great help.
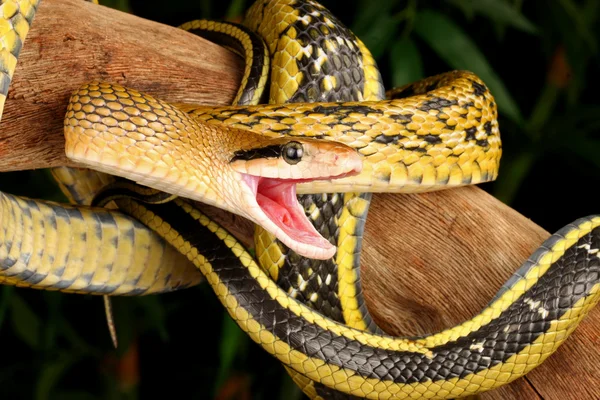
x: 50, y: 246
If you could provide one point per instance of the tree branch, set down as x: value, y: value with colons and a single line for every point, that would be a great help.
x: 95, y: 42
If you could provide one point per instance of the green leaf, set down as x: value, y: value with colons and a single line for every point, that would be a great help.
x: 466, y: 6
x: 53, y: 301
x: 155, y: 315
x: 236, y: 9
x: 233, y: 342
x: 206, y: 9
x: 382, y: 31
x: 498, y: 11
x: 513, y: 172
x: 405, y: 62
x: 376, y: 25
x: 289, y: 390
x: 590, y: 11
x: 75, y: 340
x: 26, y: 324
x: 50, y: 375
x: 453, y: 45
x: 371, y: 10
x: 585, y: 148
x: 578, y: 52
x: 542, y: 111
x: 122, y: 5
x: 580, y: 23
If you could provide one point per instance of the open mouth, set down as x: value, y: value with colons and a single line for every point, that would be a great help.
x: 284, y: 216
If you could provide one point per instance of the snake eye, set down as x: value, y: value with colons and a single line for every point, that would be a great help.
x: 292, y: 152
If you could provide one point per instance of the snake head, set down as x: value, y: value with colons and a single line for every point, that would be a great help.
x: 123, y: 132
x: 270, y: 173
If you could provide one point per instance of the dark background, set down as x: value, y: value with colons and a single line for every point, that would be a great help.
x: 540, y: 60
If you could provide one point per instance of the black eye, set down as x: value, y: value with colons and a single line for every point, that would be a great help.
x: 292, y: 152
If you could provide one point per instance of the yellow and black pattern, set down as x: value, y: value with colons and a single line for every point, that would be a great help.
x: 315, y: 58
x: 333, y: 286
x: 522, y: 326
x: 325, y: 62
x: 445, y: 137
x: 16, y: 17
x: 246, y: 44
x: 45, y: 245
x: 330, y: 286
x: 311, y: 280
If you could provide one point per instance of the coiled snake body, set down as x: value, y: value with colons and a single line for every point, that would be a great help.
x: 438, y: 133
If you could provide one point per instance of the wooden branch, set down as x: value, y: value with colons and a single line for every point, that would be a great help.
x: 92, y: 42
x: 429, y: 261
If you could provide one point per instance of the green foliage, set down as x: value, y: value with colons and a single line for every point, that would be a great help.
x: 25, y: 323
x: 121, y: 5
x: 405, y: 63
x: 540, y: 60
x: 501, y: 13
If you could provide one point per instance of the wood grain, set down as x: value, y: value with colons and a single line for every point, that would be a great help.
x: 430, y: 261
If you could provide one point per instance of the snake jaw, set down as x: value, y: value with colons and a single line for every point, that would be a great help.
x: 269, y: 182
x: 275, y: 207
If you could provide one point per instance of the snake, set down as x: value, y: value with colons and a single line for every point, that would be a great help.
x: 437, y: 133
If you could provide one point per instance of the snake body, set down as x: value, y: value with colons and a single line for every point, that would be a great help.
x: 444, y: 134
x: 85, y: 250
x: 16, y: 19
x: 525, y: 323
x: 441, y: 132
x: 330, y: 286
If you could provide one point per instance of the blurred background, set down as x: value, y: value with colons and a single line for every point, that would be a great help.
x: 539, y: 58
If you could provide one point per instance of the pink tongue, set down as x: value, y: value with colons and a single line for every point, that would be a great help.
x: 277, y: 199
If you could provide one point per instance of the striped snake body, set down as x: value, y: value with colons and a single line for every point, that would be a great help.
x: 298, y: 302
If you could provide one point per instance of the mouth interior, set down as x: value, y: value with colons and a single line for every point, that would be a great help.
x: 277, y: 200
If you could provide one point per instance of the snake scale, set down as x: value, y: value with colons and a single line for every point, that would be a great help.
x: 326, y: 98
